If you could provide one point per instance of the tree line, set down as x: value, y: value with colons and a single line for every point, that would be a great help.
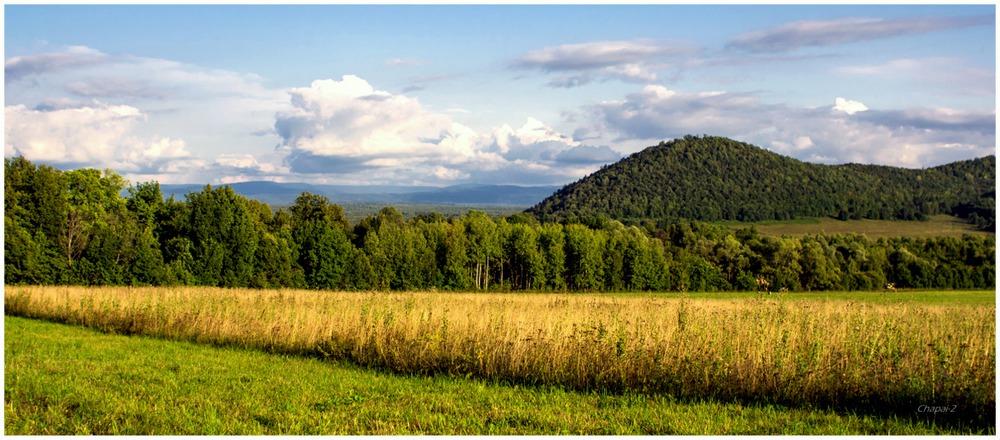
x: 77, y: 227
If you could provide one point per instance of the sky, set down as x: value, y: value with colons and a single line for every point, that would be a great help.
x: 455, y: 94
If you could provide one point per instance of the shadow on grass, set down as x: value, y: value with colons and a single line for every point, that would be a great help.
x: 959, y: 416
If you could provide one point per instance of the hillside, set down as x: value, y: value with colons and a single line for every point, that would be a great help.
x: 714, y: 178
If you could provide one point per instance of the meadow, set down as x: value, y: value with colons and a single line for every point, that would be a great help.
x: 63, y: 379
x: 869, y: 354
x: 939, y: 225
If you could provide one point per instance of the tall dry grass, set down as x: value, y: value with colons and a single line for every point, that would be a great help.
x: 852, y: 355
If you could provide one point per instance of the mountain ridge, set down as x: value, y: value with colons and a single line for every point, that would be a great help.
x: 714, y: 178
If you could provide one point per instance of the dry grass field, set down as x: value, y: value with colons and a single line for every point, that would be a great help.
x: 853, y: 355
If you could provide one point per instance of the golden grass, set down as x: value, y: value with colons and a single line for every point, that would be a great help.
x: 840, y: 353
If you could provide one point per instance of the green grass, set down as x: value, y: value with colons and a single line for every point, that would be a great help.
x: 62, y: 379
x: 937, y: 226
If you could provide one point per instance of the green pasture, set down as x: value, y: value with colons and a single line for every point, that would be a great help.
x: 69, y: 380
x: 940, y: 225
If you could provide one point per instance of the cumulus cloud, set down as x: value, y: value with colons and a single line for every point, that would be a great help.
x: 242, y: 167
x: 805, y: 33
x: 657, y: 113
x: 629, y: 61
x: 798, y: 144
x: 92, y: 135
x: 107, y: 136
x: 348, y: 130
x: 349, y: 118
x: 448, y: 174
x: 243, y: 162
x: 144, y: 117
x: 528, y: 141
x: 848, y: 106
x: 839, y: 133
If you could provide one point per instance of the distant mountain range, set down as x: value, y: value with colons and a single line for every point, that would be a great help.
x: 278, y: 194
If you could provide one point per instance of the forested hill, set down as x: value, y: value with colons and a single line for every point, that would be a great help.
x: 714, y: 178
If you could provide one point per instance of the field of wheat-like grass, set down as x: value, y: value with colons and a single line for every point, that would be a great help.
x: 852, y: 355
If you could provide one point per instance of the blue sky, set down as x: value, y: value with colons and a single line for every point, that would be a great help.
x: 514, y: 94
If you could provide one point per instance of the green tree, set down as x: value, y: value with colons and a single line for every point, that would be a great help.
x: 644, y: 264
x: 146, y: 207
x: 324, y: 250
x: 819, y: 265
x: 446, y: 241
x: 32, y: 208
x: 527, y: 268
x: 409, y: 261
x: 92, y: 200
x: 781, y: 262
x: 483, y: 246
x: 223, y: 236
x: 584, y: 267
x: 551, y: 243
x: 732, y: 259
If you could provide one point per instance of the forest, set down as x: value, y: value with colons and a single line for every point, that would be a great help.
x: 714, y: 178
x: 91, y: 227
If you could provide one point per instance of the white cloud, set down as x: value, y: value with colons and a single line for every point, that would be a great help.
x: 351, y: 131
x: 630, y: 61
x: 595, y: 55
x: 18, y: 67
x: 242, y: 161
x: 99, y: 135
x: 798, y: 144
x: 844, y: 132
x: 527, y: 138
x: 67, y: 108
x: 232, y: 168
x: 848, y: 106
x: 655, y: 113
x: 805, y: 33
x: 446, y: 174
x: 350, y: 118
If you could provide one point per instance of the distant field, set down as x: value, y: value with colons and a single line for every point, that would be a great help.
x: 873, y: 353
x: 62, y: 379
x: 902, y: 297
x: 937, y: 226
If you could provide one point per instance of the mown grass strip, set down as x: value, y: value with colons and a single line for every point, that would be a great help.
x: 69, y: 380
